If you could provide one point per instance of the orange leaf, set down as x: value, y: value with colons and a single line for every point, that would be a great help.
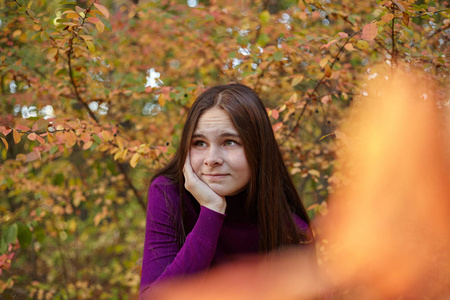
x: 327, y: 71
x: 405, y: 19
x: 85, y: 137
x: 388, y: 17
x: 102, y: 9
x: 5, y: 142
x: 369, y: 32
x: 343, y: 34
x: 349, y: 47
x: 16, y: 136
x: 163, y: 149
x: 71, y: 138
x: 87, y: 145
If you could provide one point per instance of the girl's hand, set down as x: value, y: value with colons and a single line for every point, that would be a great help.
x: 201, y: 191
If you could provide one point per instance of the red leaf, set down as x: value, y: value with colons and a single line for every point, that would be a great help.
x: 275, y: 114
x: 32, y: 136
x: 277, y: 126
x: 40, y: 139
x: 93, y: 20
x: 369, y: 32
x: 22, y: 127
x: 33, y: 156
x: 6, y: 131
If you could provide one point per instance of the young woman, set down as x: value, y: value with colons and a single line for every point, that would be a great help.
x: 225, y: 193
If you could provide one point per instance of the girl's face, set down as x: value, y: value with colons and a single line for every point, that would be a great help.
x: 217, y: 154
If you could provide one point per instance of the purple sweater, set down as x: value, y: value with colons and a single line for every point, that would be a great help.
x: 212, y: 238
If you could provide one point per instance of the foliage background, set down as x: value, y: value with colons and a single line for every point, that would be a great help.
x: 93, y: 97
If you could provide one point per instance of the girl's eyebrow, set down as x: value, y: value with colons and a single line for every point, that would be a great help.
x: 224, y: 134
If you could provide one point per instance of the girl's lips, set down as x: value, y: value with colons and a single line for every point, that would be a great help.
x: 215, y: 176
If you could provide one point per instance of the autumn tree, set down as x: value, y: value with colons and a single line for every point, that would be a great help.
x: 94, y: 95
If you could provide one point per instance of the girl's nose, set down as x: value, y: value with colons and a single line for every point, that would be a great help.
x: 213, y: 157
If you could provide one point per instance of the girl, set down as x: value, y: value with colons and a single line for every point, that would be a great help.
x: 225, y: 193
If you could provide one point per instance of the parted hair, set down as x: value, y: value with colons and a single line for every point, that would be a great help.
x: 271, y: 193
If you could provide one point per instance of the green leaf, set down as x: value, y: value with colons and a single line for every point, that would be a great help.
x: 3, y: 246
x: 59, y: 179
x: 11, y: 234
x: 53, y: 149
x: 277, y: 56
x: 263, y: 39
x: 39, y: 234
x: 24, y: 235
x: 97, y: 139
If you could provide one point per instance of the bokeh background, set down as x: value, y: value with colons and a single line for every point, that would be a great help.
x: 94, y: 95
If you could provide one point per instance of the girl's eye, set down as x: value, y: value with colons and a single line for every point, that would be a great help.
x: 230, y: 143
x: 199, y: 144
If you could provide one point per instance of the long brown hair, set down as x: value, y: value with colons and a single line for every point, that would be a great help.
x: 270, y: 189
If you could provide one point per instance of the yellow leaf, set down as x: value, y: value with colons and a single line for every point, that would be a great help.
x: 369, y: 32
x: 323, y: 62
x: 125, y: 152
x: 118, y: 155
x: 16, y: 136
x: 100, y: 27
x: 90, y: 46
x: 50, y: 138
x: 5, y: 142
x: 21, y: 157
x: 293, y: 98
x: 314, y: 173
x: 119, y: 143
x: 297, y: 79
x: 362, y: 44
x: 52, y: 53
x: 86, y: 37
x: 102, y: 9
x: 134, y: 160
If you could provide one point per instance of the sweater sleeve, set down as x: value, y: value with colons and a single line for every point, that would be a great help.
x: 163, y: 257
